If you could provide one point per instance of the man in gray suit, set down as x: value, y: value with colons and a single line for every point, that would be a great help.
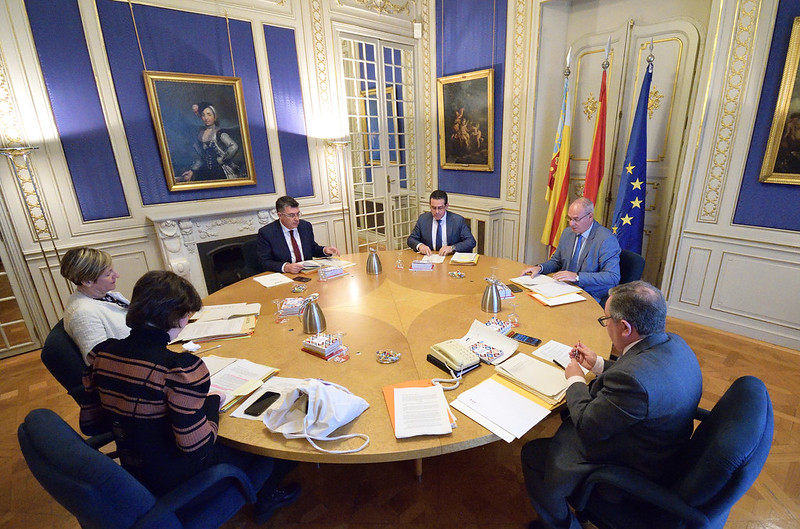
x: 587, y: 253
x: 449, y: 233
x: 638, y: 412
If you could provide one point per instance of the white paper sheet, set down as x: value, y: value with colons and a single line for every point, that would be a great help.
x: 271, y: 280
x: 420, y: 411
x: 503, y: 406
x: 559, y: 300
x: 478, y: 332
x: 223, y: 312
x: 434, y: 258
x: 505, y: 435
x: 556, y: 352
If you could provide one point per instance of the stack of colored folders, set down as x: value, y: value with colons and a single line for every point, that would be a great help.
x: 323, y: 345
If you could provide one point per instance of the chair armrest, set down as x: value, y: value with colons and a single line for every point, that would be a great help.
x: 701, y: 414
x: 188, y: 492
x: 640, y: 488
x: 100, y: 440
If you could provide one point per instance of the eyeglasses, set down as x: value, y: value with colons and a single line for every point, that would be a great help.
x: 578, y: 219
x: 603, y: 320
x: 291, y: 215
x: 438, y: 208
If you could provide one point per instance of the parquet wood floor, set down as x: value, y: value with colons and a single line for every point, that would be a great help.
x: 479, y: 488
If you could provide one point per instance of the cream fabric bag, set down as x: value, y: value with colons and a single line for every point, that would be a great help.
x: 313, y: 410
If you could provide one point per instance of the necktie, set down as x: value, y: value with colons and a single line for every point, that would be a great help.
x: 296, y: 249
x: 573, y: 264
x: 438, y: 243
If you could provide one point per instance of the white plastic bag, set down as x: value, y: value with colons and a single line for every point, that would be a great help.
x: 313, y: 410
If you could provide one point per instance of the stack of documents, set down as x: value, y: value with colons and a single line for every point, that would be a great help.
x: 461, y: 258
x: 235, y: 378
x: 546, y: 381
x: 324, y: 262
x: 206, y: 331
x: 548, y: 291
x: 502, y: 408
x: 418, y: 408
x: 434, y: 258
x: 224, y: 312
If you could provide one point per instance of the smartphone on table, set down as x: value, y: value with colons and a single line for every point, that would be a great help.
x: 262, y: 403
x: 524, y: 338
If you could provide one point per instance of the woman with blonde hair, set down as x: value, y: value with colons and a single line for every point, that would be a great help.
x: 94, y: 312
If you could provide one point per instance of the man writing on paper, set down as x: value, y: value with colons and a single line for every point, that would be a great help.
x: 439, y: 231
x: 285, y: 243
x: 587, y: 253
x: 638, y: 412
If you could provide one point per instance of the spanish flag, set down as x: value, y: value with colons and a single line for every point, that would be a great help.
x: 597, y: 160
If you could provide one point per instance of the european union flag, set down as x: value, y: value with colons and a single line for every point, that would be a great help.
x: 628, y: 219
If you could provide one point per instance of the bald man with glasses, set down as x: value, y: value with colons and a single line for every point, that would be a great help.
x: 587, y: 253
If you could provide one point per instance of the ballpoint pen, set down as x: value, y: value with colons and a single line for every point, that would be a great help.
x: 202, y: 351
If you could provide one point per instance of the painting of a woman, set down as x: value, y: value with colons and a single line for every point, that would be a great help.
x: 214, y: 148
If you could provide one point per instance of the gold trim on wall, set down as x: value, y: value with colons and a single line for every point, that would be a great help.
x: 785, y: 121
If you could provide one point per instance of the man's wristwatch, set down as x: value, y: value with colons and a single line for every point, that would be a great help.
x: 577, y: 278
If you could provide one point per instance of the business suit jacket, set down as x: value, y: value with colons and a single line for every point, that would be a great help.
x: 598, y: 266
x: 273, y: 251
x: 458, y: 233
x: 638, y: 413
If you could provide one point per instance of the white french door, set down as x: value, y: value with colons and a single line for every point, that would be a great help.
x: 378, y: 81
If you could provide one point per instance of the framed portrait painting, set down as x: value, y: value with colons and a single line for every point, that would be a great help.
x: 782, y: 158
x: 466, y: 121
x: 201, y: 129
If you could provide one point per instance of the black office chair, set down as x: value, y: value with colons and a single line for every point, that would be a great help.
x: 250, y: 253
x: 631, y: 267
x: 720, y: 462
x: 63, y: 359
x: 103, y: 495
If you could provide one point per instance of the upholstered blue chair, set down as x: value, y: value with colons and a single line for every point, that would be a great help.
x: 631, y: 268
x: 721, y: 461
x: 103, y: 495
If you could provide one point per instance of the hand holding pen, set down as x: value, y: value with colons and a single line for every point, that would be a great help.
x: 583, y: 355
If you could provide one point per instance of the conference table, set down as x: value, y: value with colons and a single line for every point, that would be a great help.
x: 401, y: 310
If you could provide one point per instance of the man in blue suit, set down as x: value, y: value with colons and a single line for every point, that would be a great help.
x: 587, y: 253
x: 440, y: 231
x: 284, y: 243
x: 638, y: 412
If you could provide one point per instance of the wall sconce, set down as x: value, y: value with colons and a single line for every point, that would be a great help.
x: 19, y: 158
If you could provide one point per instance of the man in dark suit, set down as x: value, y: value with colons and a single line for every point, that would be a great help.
x: 638, y: 412
x: 587, y: 253
x: 284, y: 243
x: 449, y: 233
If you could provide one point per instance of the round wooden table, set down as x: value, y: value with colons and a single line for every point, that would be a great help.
x: 402, y: 310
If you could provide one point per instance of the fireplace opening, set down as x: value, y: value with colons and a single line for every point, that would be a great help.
x: 227, y: 261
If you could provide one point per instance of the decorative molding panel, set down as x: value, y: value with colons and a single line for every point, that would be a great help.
x: 694, y: 276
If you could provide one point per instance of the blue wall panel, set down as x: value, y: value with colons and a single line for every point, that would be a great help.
x: 290, y: 115
x: 183, y: 42
x: 760, y: 204
x: 68, y: 75
x: 470, y: 35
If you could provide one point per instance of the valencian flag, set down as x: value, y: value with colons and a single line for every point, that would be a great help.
x: 597, y: 160
x: 628, y: 223
x: 558, y: 183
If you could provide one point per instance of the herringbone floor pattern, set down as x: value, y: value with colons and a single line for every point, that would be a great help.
x: 479, y: 488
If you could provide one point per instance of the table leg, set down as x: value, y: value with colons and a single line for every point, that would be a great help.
x: 418, y: 468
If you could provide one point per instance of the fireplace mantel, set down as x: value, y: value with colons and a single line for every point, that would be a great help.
x: 178, y: 237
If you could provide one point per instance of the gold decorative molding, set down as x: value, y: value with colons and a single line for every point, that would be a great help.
x: 428, y: 110
x: 323, y: 89
x: 739, y: 58
x: 590, y: 106
x: 520, y: 9
x: 384, y: 7
x: 653, y: 101
x: 11, y: 137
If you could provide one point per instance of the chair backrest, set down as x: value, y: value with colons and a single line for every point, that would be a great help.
x: 631, y: 266
x: 90, y: 485
x: 250, y: 254
x: 728, y: 450
x: 63, y: 359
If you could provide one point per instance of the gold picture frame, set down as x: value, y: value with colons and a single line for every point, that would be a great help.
x: 201, y: 129
x: 782, y: 157
x: 466, y: 121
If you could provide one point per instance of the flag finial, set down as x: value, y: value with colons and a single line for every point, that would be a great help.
x: 606, y: 63
x: 567, y: 71
x: 650, y: 56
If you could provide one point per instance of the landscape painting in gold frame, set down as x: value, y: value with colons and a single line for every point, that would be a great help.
x: 466, y: 121
x: 782, y: 158
x: 201, y: 128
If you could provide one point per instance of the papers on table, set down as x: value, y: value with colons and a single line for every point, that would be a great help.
x: 558, y: 300
x: 529, y: 282
x: 389, y: 393
x: 556, y: 352
x: 434, y: 258
x: 491, y: 346
x: 548, y: 291
x: 224, y: 312
x: 272, y: 280
x: 555, y: 289
x: 232, y: 377
x: 420, y: 411
x: 544, y: 379
x: 324, y: 262
x: 462, y: 258
x: 507, y: 413
x: 205, y: 331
